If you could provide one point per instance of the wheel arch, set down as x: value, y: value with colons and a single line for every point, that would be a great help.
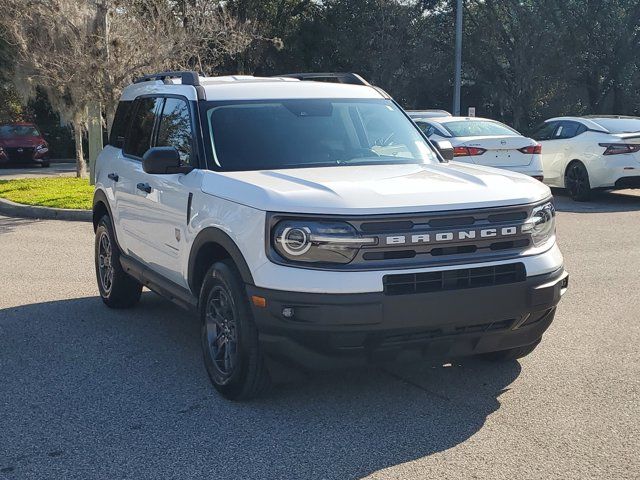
x: 566, y: 169
x: 212, y: 245
x: 100, y: 207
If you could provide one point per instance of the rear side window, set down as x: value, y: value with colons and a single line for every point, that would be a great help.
x: 569, y: 129
x: 120, y: 123
x: 175, y: 128
x: 138, y: 139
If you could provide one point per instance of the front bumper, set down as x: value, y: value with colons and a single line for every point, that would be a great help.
x: 339, y: 330
x: 24, y: 155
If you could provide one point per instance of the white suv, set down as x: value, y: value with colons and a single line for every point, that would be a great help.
x: 312, y: 223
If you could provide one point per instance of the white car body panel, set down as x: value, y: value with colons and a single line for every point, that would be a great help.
x: 501, y: 151
x: 604, y: 170
x: 348, y: 190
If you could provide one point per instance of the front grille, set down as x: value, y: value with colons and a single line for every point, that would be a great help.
x: 412, y: 240
x: 20, y: 154
x: 428, y: 239
x: 427, y: 282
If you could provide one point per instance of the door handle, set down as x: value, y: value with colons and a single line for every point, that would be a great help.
x: 113, y: 176
x: 145, y: 187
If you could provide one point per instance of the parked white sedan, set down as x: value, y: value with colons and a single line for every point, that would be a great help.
x: 486, y: 142
x: 594, y: 152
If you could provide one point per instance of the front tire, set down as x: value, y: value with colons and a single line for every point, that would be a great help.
x: 117, y: 288
x: 577, y: 182
x: 45, y: 164
x: 229, y: 337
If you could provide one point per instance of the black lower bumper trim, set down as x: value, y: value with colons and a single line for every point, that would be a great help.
x: 335, y: 330
x: 628, y: 182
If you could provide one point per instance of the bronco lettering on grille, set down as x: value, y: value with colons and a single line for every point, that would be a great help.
x: 459, y: 235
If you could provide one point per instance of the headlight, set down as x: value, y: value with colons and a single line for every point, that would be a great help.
x: 542, y: 223
x: 41, y: 147
x: 317, y: 241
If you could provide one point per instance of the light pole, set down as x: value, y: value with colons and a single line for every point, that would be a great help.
x: 458, y: 54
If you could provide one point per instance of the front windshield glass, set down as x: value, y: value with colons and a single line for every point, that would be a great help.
x: 620, y: 125
x: 478, y: 128
x: 8, y: 131
x: 275, y: 134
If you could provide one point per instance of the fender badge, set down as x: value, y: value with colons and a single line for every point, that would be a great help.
x: 177, y: 232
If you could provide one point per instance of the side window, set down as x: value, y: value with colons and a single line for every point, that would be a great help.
x: 570, y: 129
x: 138, y: 139
x: 544, y: 131
x: 175, y: 128
x: 120, y: 124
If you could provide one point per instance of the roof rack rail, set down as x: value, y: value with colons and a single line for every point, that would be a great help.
x: 188, y: 77
x: 350, y: 78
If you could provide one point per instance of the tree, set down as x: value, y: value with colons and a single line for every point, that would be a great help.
x: 79, y: 52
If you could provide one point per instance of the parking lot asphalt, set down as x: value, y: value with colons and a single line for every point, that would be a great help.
x: 35, y: 171
x: 87, y: 392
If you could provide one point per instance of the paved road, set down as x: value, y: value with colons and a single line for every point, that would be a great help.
x: 55, y: 170
x: 90, y: 393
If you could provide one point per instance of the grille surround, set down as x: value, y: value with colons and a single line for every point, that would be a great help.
x: 384, y: 256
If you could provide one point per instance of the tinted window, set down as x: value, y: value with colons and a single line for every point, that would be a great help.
x: 139, y: 136
x: 120, y: 124
x: 175, y: 128
x: 307, y: 133
x: 569, y: 129
x: 544, y: 131
x: 477, y: 128
x: 430, y: 129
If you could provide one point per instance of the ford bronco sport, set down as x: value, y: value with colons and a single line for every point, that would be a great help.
x: 312, y: 223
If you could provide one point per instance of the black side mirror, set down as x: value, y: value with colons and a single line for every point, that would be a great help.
x: 445, y: 148
x: 163, y: 161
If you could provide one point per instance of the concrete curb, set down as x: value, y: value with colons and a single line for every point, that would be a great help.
x: 12, y: 209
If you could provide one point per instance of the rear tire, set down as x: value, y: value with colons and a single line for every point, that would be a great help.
x: 511, y: 354
x: 117, y: 288
x: 576, y: 180
x: 230, y: 346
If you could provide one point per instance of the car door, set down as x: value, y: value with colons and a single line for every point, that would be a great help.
x: 132, y: 234
x: 164, y: 200
x: 565, y: 148
x: 552, y: 148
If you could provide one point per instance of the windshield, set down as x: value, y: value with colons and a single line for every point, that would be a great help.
x: 478, y: 128
x: 8, y: 131
x: 278, y: 134
x: 620, y: 125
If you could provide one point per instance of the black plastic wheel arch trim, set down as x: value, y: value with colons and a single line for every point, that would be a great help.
x: 215, y: 235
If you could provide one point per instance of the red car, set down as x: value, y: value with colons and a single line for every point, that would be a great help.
x: 23, y: 143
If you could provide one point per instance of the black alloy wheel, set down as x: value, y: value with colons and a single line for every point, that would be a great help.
x: 221, y: 331
x: 577, y: 182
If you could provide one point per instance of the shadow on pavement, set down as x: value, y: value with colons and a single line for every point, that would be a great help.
x: 618, y: 201
x: 89, y: 392
x: 7, y: 224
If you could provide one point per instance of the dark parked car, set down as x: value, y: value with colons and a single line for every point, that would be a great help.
x: 22, y: 143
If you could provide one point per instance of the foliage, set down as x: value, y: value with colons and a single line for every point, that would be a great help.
x: 79, y: 52
x: 523, y: 60
x: 58, y: 192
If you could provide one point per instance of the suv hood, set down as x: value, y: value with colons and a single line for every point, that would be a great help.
x: 374, y: 189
